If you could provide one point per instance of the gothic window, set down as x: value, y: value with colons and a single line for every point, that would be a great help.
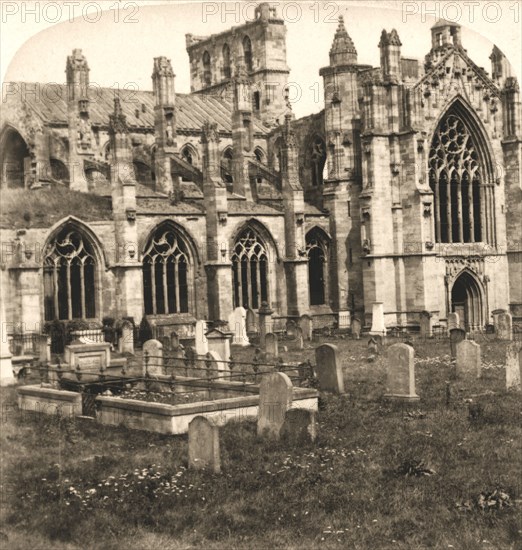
x: 16, y: 160
x: 166, y: 273
x: 250, y: 270
x: 317, y: 251
x: 188, y: 155
x: 69, y: 277
x: 207, y: 69
x: 227, y: 73
x: 318, y: 160
x: 247, y: 54
x: 226, y: 166
x: 456, y: 175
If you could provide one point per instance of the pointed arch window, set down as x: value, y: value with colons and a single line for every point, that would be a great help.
x: 463, y: 201
x: 247, y: 54
x: 69, y: 277
x: 207, y: 69
x: 166, y: 273
x: 317, y: 252
x: 250, y: 270
x: 226, y: 166
x: 227, y: 73
x: 318, y: 160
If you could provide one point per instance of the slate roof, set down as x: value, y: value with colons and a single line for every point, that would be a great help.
x: 192, y: 110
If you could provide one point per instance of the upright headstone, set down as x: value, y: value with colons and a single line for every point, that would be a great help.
x: 201, y: 342
x: 328, y: 368
x: 504, y: 326
x: 203, y: 444
x: 514, y: 367
x: 153, y: 357
x: 299, y: 338
x: 453, y: 321
x: 299, y: 427
x: 265, y: 323
x: 219, y: 341
x: 275, y: 398
x: 237, y: 326
x: 165, y: 342
x: 344, y: 319
x: 174, y: 340
x: 291, y: 329
x: 307, y: 325
x: 218, y: 364
x: 426, y: 326
x: 400, y: 373
x: 251, y: 322
x: 456, y: 335
x: 126, y: 341
x: 468, y: 358
x: 271, y: 345
x: 378, y: 326
x: 356, y: 328
x: 372, y: 348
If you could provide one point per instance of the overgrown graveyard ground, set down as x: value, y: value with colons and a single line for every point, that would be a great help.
x: 380, y: 475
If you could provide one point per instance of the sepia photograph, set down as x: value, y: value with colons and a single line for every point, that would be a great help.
x: 260, y: 275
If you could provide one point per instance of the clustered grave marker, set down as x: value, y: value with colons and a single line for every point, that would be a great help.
x: 299, y: 337
x: 456, y: 335
x: 271, y: 345
x: 453, y: 321
x: 328, y: 368
x: 275, y: 398
x: 126, y: 340
x: 504, y: 326
x: 251, y: 322
x: 300, y: 426
x: 203, y: 444
x: 378, y: 326
x: 514, y: 367
x: 238, y: 327
x: 265, y: 323
x: 201, y: 342
x: 153, y: 357
x: 426, y: 326
x: 291, y: 329
x: 400, y: 373
x: 307, y: 326
x: 217, y: 362
x: 468, y: 358
x: 356, y: 328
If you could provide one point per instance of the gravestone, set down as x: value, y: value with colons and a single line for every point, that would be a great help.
x: 328, y: 368
x: 299, y: 338
x: 378, y: 319
x: 453, y: 321
x: 237, y: 325
x: 271, y: 345
x: 456, y: 335
x: 201, y: 342
x: 88, y: 357
x: 217, y: 363
x: 400, y: 373
x: 468, y: 358
x: 126, y: 341
x: 275, y: 398
x: 426, y: 327
x: 307, y: 326
x: 219, y: 341
x: 344, y: 319
x: 299, y: 427
x: 514, y: 367
x: 372, y: 348
x: 165, y: 342
x: 251, y: 322
x: 154, y: 362
x: 291, y: 328
x: 203, y: 445
x: 356, y: 328
x: 174, y: 340
x: 504, y: 327
x: 265, y: 323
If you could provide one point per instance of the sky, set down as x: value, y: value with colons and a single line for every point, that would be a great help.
x: 121, y: 38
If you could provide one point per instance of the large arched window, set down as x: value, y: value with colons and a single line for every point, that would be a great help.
x: 250, y: 270
x: 188, y: 154
x: 69, y: 277
x: 16, y: 160
x: 207, y: 69
x: 227, y: 73
x: 463, y: 203
x: 318, y: 160
x: 317, y: 251
x: 247, y: 54
x: 166, y: 273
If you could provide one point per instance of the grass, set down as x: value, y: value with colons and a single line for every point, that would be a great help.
x: 342, y: 492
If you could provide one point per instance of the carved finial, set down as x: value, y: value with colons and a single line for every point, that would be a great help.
x: 117, y: 120
x: 209, y: 133
x: 343, y: 51
x: 162, y: 67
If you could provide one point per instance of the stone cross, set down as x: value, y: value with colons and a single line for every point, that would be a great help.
x: 456, y: 335
x: 378, y: 326
x: 307, y: 325
x: 356, y: 328
x: 203, y: 444
x: 504, y: 326
x: 453, y: 321
x: 154, y: 364
x: 271, y: 345
x: 400, y: 373
x: 275, y: 398
x: 426, y: 327
x: 468, y: 358
x: 514, y: 367
x: 299, y: 427
x: 328, y: 368
x: 201, y: 342
x: 237, y: 325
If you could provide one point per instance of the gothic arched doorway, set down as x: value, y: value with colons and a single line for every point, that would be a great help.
x: 15, y: 159
x: 466, y: 300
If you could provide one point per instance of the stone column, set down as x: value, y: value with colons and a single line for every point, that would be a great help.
x: 6, y: 367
